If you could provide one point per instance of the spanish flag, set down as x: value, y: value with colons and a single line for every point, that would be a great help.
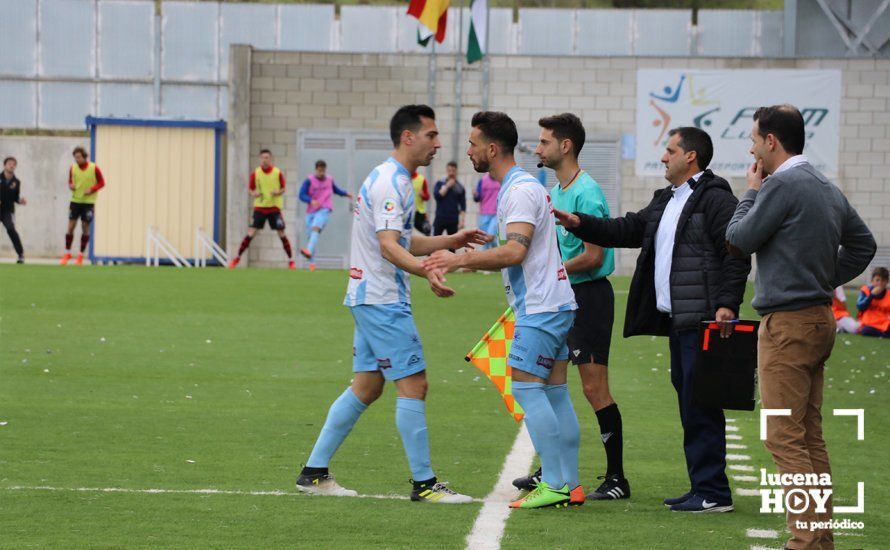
x: 490, y: 356
x: 432, y: 15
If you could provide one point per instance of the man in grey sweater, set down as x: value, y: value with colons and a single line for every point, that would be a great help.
x: 808, y: 240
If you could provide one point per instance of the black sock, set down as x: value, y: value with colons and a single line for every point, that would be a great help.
x: 307, y: 471
x: 610, y: 432
x: 422, y: 484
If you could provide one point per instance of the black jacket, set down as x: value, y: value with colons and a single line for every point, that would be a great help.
x: 704, y: 277
x: 9, y: 192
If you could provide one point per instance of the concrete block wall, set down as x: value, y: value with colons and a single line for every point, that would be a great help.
x: 43, y: 164
x: 292, y: 90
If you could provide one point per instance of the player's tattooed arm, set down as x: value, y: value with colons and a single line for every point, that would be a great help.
x: 520, y: 238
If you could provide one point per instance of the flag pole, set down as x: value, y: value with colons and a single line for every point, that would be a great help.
x: 458, y: 81
x: 485, y: 62
x: 431, y: 75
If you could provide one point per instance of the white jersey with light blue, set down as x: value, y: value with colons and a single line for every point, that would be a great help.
x: 385, y: 202
x: 540, y: 283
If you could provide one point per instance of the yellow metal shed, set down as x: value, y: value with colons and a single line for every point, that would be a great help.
x: 163, y: 174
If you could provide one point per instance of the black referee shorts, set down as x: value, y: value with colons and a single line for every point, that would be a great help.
x: 591, y: 334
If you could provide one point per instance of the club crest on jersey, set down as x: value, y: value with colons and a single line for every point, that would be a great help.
x: 389, y: 205
x: 561, y: 274
x: 355, y: 273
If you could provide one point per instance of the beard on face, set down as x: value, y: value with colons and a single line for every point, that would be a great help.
x: 481, y: 166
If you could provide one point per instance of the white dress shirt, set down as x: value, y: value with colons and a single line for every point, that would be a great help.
x: 791, y: 163
x: 664, y: 244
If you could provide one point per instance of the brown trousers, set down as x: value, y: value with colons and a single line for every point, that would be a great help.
x: 792, y: 350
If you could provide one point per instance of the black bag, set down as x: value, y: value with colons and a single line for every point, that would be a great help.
x: 725, y: 373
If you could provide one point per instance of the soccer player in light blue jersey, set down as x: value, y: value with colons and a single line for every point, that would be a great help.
x: 561, y: 139
x: 538, y: 290
x: 386, y: 343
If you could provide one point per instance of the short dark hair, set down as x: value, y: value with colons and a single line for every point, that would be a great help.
x: 320, y: 163
x: 695, y: 139
x: 452, y: 163
x: 786, y: 123
x: 265, y: 151
x: 881, y: 272
x: 82, y: 151
x: 7, y: 159
x: 566, y: 126
x: 408, y: 118
x: 497, y: 127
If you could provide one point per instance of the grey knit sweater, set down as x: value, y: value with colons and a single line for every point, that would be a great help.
x: 807, y: 237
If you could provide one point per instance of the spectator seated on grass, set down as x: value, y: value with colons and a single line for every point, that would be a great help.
x: 874, y: 305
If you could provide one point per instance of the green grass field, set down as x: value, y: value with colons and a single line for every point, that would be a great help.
x: 136, y: 378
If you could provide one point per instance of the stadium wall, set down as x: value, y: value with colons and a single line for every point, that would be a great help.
x: 290, y: 91
x: 43, y: 164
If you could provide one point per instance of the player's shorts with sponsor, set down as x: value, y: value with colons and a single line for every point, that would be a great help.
x: 591, y: 335
x: 386, y: 340
x: 275, y: 219
x: 539, y: 340
x: 81, y: 210
x: 318, y: 219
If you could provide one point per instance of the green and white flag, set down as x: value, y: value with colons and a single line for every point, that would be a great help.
x: 478, y: 28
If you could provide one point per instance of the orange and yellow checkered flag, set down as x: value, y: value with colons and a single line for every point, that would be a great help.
x: 490, y: 356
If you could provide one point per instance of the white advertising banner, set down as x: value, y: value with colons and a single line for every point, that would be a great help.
x: 722, y: 102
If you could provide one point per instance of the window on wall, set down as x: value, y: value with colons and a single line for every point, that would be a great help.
x: 600, y: 158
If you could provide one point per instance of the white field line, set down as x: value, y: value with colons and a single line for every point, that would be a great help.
x: 747, y: 492
x: 741, y: 467
x: 762, y: 533
x: 733, y: 437
x: 736, y: 446
x: 738, y: 457
x: 744, y: 478
x: 732, y: 428
x: 492, y: 519
x: 187, y: 492
x: 758, y: 547
x: 731, y: 420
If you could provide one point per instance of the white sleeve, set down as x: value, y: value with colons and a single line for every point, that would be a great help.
x: 523, y: 205
x: 387, y: 207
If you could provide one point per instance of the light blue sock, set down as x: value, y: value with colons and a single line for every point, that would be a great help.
x: 342, y: 416
x: 569, y: 431
x: 411, y: 422
x: 313, y: 240
x: 543, y: 429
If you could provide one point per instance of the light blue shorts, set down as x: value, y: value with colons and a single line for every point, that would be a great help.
x: 318, y: 219
x: 386, y: 340
x: 489, y: 224
x: 539, y: 341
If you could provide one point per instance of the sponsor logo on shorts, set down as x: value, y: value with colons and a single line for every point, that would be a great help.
x: 546, y: 362
x: 389, y: 205
x: 384, y: 363
x: 413, y: 360
x: 576, y: 352
x: 516, y: 358
x: 355, y: 273
x: 415, y: 339
x: 518, y: 347
x: 561, y: 274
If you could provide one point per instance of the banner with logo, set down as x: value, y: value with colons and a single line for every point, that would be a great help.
x: 722, y: 102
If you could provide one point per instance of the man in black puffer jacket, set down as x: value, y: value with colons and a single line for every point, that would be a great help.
x: 684, y: 275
